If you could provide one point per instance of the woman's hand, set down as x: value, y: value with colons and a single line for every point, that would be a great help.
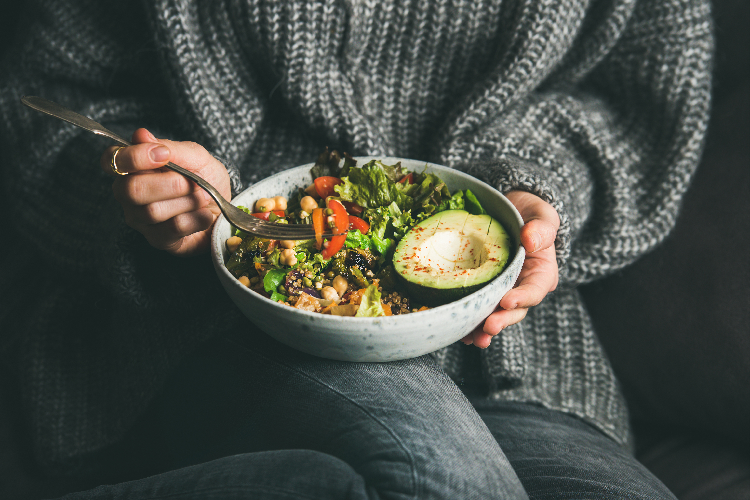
x: 539, y: 273
x: 171, y: 211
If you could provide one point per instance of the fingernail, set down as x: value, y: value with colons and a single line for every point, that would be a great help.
x: 151, y: 136
x: 537, y: 239
x: 159, y: 154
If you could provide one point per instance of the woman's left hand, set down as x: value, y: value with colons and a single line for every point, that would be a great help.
x: 539, y: 274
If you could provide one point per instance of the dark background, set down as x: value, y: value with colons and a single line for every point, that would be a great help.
x: 676, y: 324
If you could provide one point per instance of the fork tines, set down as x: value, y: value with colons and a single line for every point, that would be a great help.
x: 272, y: 231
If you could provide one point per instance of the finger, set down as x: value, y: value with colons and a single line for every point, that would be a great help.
x: 538, y: 277
x: 167, y: 235
x: 161, y: 211
x: 481, y: 339
x: 144, y: 189
x: 139, y: 157
x: 142, y: 135
x: 502, y: 318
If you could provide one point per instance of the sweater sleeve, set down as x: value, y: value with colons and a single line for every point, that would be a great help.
x: 611, y: 134
x: 101, y: 60
x: 96, y: 317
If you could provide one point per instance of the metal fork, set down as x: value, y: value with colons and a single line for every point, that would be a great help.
x: 234, y: 215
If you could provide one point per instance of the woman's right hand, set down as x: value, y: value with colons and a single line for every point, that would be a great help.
x: 170, y: 210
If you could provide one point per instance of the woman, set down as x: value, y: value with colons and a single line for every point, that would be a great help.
x: 590, y: 115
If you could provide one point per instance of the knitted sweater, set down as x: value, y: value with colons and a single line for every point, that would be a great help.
x: 597, y: 106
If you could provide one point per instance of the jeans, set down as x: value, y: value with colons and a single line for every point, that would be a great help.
x: 256, y: 420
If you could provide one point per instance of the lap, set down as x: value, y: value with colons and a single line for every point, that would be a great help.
x: 556, y: 455
x: 404, y: 427
x: 254, y: 419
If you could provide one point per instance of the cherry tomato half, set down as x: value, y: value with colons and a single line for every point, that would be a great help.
x: 357, y: 223
x: 324, y: 186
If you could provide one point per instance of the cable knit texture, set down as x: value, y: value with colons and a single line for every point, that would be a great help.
x: 597, y: 106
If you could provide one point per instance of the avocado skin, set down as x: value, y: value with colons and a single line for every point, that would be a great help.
x: 471, y: 225
x: 433, y: 297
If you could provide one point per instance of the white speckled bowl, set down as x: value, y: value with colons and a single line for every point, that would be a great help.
x: 371, y: 339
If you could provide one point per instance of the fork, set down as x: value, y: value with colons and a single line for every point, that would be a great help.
x: 234, y: 215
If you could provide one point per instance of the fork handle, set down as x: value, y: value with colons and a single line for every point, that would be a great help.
x: 86, y: 123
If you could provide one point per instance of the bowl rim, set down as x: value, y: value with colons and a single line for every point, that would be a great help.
x: 218, y: 257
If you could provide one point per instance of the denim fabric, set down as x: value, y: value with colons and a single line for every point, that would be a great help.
x: 254, y: 419
x: 558, y: 456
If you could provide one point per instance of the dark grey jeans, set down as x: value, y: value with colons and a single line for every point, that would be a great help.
x: 256, y: 420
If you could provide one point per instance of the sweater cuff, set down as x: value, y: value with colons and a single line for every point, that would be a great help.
x: 512, y: 173
x: 234, y: 174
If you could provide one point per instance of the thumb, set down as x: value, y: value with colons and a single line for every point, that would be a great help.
x: 540, y: 218
x: 538, y: 234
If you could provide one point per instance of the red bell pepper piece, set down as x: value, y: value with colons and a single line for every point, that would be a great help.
x: 342, y: 226
x: 407, y: 179
x: 318, y: 218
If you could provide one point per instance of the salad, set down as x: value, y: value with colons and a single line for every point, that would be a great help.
x: 352, y: 274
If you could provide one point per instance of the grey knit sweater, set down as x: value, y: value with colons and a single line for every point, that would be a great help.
x: 597, y: 106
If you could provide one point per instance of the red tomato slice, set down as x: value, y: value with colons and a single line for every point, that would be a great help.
x: 357, y: 223
x: 266, y: 215
x: 342, y: 226
x: 352, y: 208
x: 317, y: 220
x: 324, y: 186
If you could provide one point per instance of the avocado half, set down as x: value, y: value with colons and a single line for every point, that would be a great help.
x: 451, y: 255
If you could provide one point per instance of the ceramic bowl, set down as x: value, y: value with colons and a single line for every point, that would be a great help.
x: 371, y: 339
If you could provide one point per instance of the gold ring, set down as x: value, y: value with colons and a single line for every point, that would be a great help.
x: 113, y: 163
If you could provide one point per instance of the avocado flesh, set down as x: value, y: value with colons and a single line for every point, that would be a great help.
x: 451, y: 255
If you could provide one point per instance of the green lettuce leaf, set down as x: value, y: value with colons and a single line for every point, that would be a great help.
x: 400, y: 221
x: 355, y: 239
x: 371, y: 187
x: 455, y: 202
x: 472, y: 204
x: 272, y: 280
x: 370, y: 305
x: 382, y: 245
x: 329, y: 164
x: 388, y: 222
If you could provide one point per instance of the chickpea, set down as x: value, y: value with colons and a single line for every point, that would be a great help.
x: 329, y: 293
x: 233, y: 243
x: 311, y: 190
x: 244, y: 280
x: 265, y: 205
x: 308, y: 204
x: 288, y: 257
x: 279, y: 202
x: 340, y: 285
x: 288, y: 243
